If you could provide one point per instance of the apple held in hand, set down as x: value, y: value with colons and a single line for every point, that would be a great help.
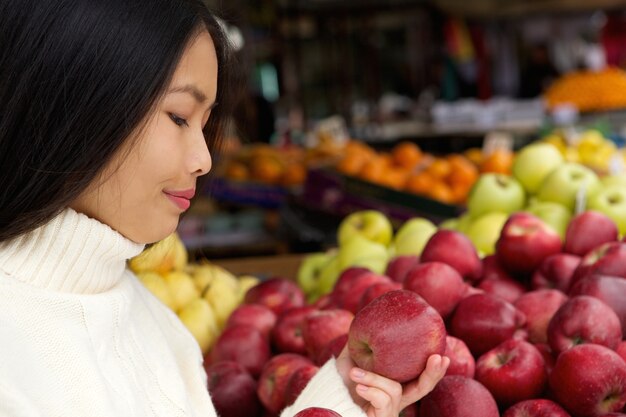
x: 495, y: 192
x: 438, y: 284
x: 455, y: 249
x: 584, y: 319
x: 534, y: 163
x: 564, y: 183
x: 539, y: 407
x: 539, y: 307
x: 587, y: 231
x: 524, y: 243
x: 370, y: 224
x: 232, y: 389
x: 483, y: 321
x: 461, y: 360
x: 317, y: 412
x: 589, y: 380
x: 395, y: 334
x: 457, y: 396
x: 277, y: 294
x: 611, y: 200
x: 513, y: 371
x: 412, y: 236
x: 274, y: 379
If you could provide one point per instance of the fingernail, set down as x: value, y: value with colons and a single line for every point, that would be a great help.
x: 358, y: 373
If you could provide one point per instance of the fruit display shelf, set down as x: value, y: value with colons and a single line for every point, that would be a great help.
x: 339, y: 194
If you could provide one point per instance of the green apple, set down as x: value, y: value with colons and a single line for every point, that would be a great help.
x: 564, y: 183
x: 485, y: 231
x: 611, y: 200
x: 618, y: 179
x: 534, y: 163
x: 450, y: 224
x: 463, y: 222
x: 360, y: 251
x: 328, y: 274
x: 371, y: 224
x: 553, y: 214
x: 412, y: 236
x: 310, y: 270
x: 495, y: 192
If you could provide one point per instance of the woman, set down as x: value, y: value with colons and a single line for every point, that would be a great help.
x: 106, y: 109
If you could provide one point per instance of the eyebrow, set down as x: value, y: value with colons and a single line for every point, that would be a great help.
x: 193, y: 91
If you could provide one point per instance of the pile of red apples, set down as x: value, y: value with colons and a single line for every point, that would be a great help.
x: 534, y: 330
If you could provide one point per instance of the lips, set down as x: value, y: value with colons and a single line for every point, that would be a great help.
x: 181, y: 198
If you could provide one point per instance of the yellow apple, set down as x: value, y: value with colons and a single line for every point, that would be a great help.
x: 157, y: 286
x: 223, y: 298
x: 164, y: 256
x: 371, y: 224
x: 199, y: 319
x: 412, y: 236
x: 181, y: 287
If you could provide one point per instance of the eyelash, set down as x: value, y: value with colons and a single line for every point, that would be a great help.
x: 179, y: 121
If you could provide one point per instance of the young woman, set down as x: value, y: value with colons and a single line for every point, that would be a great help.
x: 108, y: 109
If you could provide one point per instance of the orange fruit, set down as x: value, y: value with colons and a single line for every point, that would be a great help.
x: 441, y: 192
x: 294, y: 174
x: 351, y: 164
x: 406, y: 154
x: 439, y: 168
x: 395, y: 178
x: 499, y: 161
x: 462, y: 171
x: 475, y: 155
x: 266, y: 169
x: 419, y: 183
x: 237, y: 171
x: 373, y: 170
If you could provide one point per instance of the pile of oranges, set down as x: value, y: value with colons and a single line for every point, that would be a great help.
x: 407, y: 168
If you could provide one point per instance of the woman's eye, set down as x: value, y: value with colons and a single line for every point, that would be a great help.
x: 178, y: 120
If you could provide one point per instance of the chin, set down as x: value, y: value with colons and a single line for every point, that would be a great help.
x: 154, y: 231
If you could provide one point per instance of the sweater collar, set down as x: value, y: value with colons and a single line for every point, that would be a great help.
x: 71, y: 253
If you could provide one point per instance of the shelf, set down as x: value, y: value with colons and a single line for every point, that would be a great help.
x: 516, y: 8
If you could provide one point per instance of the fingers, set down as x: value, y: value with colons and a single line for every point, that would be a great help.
x: 383, y: 394
x: 436, y: 367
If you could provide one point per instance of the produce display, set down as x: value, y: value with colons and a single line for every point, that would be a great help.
x: 203, y: 295
x: 589, y: 90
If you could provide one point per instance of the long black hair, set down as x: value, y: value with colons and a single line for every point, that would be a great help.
x: 77, y: 77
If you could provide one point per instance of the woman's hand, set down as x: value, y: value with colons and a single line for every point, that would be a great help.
x: 383, y: 397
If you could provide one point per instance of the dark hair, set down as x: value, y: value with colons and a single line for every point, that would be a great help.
x: 77, y: 77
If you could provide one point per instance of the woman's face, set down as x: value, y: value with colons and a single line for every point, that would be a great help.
x: 148, y: 185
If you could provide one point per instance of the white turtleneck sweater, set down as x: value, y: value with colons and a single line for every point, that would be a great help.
x: 80, y: 336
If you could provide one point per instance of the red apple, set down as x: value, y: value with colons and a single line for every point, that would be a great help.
x: 539, y: 307
x: 298, y: 382
x: 332, y: 349
x: 243, y: 344
x: 584, y: 319
x: 232, y: 389
x: 344, y: 281
x: 483, y: 321
x: 493, y: 270
x: 587, y: 231
x: 589, y: 380
x: 376, y: 290
x: 278, y: 294
x: 614, y: 415
x: 556, y: 271
x: 611, y: 290
x: 275, y: 377
x: 399, y: 266
x: 461, y: 360
x: 351, y: 299
x: 255, y: 315
x: 524, y: 242
x: 439, y: 284
x: 317, y: 412
x: 621, y: 349
x: 395, y: 334
x: 455, y: 249
x: 607, y: 259
x: 325, y: 302
x: 538, y: 407
x: 322, y: 326
x: 411, y: 410
x: 505, y: 288
x: 458, y: 396
x: 512, y: 371
x: 548, y: 356
x: 287, y: 333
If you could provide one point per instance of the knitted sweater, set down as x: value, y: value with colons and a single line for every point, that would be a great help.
x: 81, y: 336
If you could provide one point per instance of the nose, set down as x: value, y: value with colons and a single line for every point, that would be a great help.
x: 200, y: 157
